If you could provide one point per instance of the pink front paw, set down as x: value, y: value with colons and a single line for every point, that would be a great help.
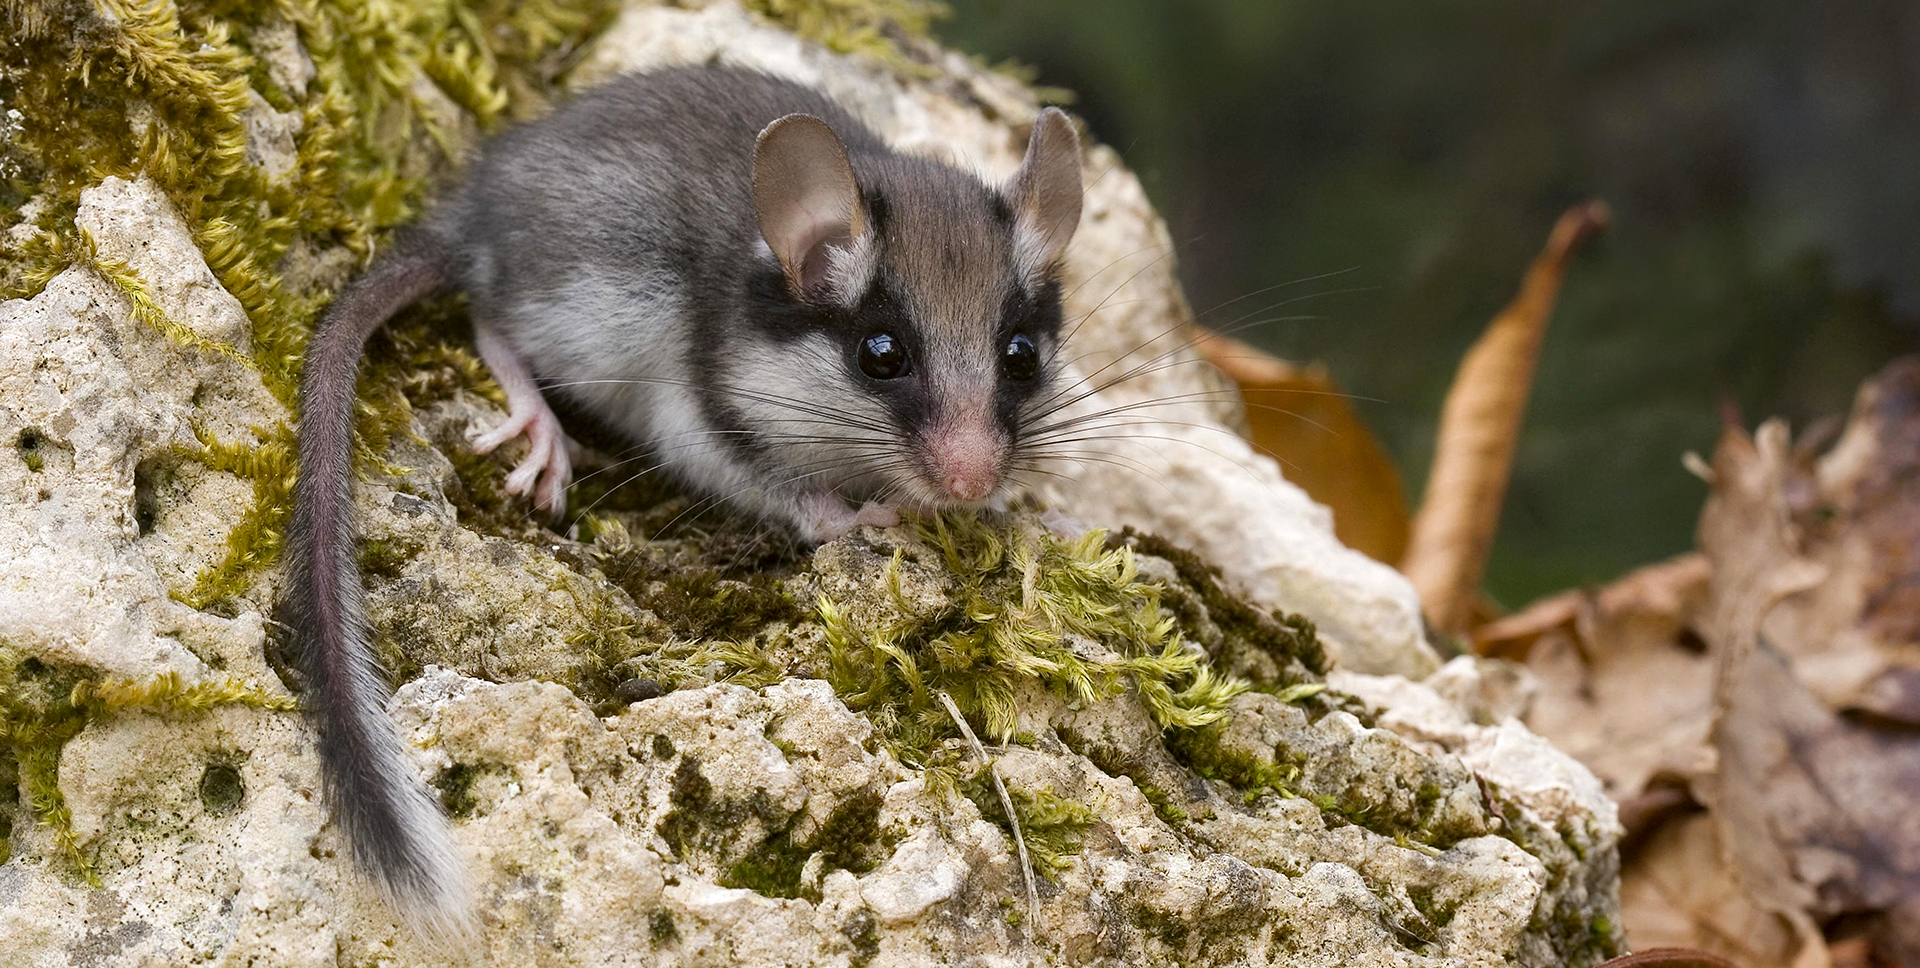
x: 548, y: 467
x: 824, y: 517
x: 877, y: 515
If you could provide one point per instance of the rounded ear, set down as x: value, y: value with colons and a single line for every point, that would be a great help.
x: 1045, y: 192
x: 805, y: 198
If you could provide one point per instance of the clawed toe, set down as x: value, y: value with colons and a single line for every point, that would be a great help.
x: 548, y: 467
x: 515, y: 425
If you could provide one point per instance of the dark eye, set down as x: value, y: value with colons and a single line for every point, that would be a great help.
x: 883, y: 357
x: 1021, y: 358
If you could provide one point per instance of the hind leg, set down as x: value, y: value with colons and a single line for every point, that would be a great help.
x: 548, y: 467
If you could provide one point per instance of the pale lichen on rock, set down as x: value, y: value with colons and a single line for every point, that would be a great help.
x: 664, y: 738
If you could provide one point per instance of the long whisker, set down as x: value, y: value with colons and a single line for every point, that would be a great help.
x: 1197, y: 335
x: 802, y: 406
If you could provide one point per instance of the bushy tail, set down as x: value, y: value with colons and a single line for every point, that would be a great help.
x: 395, y: 828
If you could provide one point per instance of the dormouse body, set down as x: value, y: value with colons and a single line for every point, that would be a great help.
x: 741, y: 280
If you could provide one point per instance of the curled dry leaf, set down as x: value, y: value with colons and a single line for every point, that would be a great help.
x: 1479, y: 427
x: 1793, y: 726
x: 1669, y: 958
x: 1811, y: 567
x: 1855, y: 639
x: 1300, y: 417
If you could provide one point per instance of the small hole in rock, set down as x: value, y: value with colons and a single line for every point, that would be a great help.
x: 221, y: 789
x: 148, y: 478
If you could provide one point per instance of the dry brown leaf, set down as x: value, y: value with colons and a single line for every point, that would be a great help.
x: 1815, y: 809
x: 1300, y: 417
x: 1623, y: 687
x: 1855, y: 640
x: 1664, y: 596
x: 1479, y: 427
x: 1677, y: 891
x: 1669, y: 958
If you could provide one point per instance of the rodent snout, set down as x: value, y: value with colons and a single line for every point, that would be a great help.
x: 964, y: 462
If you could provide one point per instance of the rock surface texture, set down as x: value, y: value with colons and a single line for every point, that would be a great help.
x: 667, y: 740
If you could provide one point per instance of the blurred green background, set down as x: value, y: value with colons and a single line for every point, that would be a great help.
x: 1762, y: 159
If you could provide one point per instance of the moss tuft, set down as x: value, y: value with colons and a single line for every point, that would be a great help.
x: 454, y: 783
x: 661, y: 929
x: 1054, y: 826
x: 145, y: 310
x: 1202, y: 752
x: 1228, y: 626
x: 1023, y: 607
x: 844, y: 841
x: 1170, y: 812
x: 872, y: 27
x: 862, y: 930
x: 268, y: 463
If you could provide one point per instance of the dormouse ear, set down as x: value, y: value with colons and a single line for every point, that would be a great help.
x: 1045, y: 192
x: 806, y: 200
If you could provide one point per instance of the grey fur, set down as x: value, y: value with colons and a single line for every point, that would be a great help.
x: 614, y: 248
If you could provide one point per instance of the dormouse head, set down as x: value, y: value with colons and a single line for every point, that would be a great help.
x: 925, y: 303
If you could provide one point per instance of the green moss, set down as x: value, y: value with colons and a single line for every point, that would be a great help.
x: 1165, y: 928
x: 844, y: 841
x: 1132, y: 764
x: 1224, y: 623
x: 691, y: 797
x: 850, y: 832
x: 145, y: 310
x: 29, y: 447
x: 871, y: 27
x: 1054, y: 826
x: 222, y: 788
x: 773, y: 869
x: 1164, y: 806
x: 1202, y: 752
x: 1018, y: 601
x: 1570, y: 929
x: 661, y: 929
x: 268, y: 463
x: 9, y: 800
x: 1436, y: 914
x: 384, y: 557
x: 862, y: 930
x: 706, y: 611
x: 455, y: 786
x: 46, y: 706
x: 702, y: 603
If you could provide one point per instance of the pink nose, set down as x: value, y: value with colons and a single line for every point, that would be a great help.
x: 966, y: 461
